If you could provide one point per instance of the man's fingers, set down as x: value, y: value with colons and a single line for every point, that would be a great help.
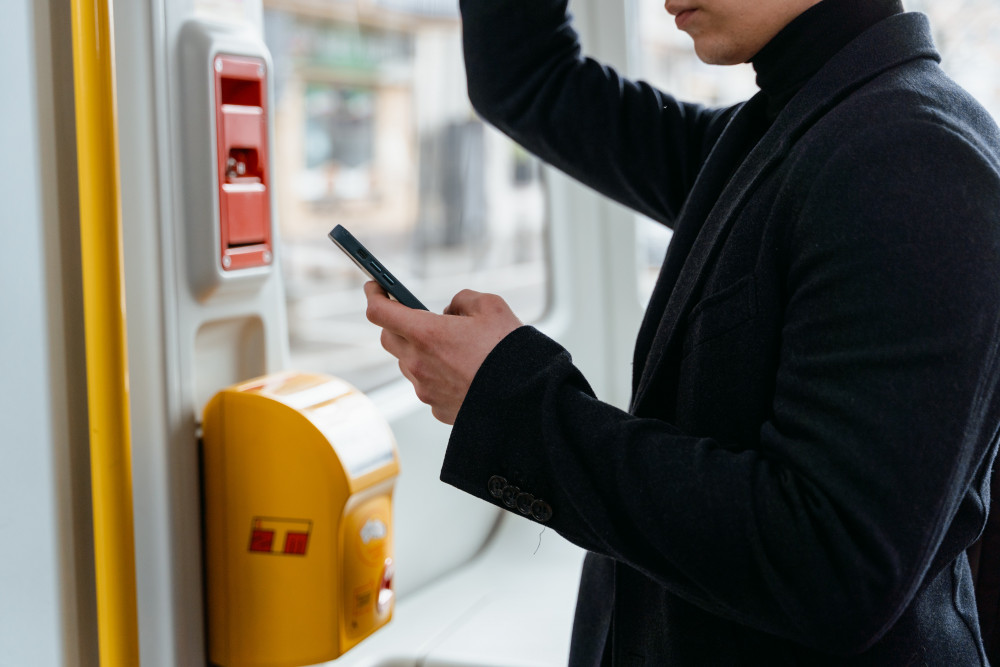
x: 404, y: 369
x: 463, y: 303
x: 388, y: 314
x: 438, y: 354
x: 393, y: 343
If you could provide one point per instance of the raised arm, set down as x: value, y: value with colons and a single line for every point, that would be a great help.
x: 629, y: 141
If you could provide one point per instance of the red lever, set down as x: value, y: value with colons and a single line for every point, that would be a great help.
x: 244, y: 181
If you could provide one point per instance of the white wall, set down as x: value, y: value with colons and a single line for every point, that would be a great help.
x: 46, y: 563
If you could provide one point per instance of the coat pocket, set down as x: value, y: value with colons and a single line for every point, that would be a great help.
x: 721, y: 312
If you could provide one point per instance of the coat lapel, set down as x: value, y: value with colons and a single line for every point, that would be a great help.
x: 718, y: 203
x: 722, y: 160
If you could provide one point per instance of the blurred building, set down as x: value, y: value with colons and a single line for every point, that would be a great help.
x: 374, y: 130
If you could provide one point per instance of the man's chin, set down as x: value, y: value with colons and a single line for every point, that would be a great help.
x: 719, y: 54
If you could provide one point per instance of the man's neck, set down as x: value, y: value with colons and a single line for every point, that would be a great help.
x: 802, y: 47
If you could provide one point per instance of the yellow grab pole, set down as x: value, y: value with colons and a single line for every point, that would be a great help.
x: 104, y: 324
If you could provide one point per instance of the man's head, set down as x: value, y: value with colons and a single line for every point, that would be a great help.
x: 728, y: 32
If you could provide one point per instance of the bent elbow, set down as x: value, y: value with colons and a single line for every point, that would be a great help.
x: 481, y: 102
x: 487, y: 104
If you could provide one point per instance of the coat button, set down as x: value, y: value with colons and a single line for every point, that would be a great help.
x: 541, y: 511
x: 510, y: 494
x: 497, y: 485
x: 524, y: 502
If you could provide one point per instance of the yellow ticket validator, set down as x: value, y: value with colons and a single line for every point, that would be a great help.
x: 299, y: 471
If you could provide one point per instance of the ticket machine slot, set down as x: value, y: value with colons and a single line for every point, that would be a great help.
x: 244, y: 183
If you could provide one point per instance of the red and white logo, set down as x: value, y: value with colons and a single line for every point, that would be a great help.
x: 288, y: 537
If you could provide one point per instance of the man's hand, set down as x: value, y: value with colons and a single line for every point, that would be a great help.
x: 440, y: 354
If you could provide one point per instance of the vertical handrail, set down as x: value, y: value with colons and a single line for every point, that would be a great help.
x: 104, y: 326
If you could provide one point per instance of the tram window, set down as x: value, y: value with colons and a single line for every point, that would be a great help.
x: 965, y: 32
x: 373, y: 130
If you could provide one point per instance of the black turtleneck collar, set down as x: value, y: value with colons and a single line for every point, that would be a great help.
x: 809, y: 41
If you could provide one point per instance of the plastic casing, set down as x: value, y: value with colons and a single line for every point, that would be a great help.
x: 299, y: 471
x: 221, y: 217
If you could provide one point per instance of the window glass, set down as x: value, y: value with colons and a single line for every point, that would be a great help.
x: 373, y: 130
x: 967, y: 34
x: 965, y: 31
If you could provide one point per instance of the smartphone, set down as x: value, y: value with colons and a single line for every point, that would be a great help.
x: 367, y: 262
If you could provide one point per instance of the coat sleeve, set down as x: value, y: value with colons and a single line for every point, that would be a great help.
x: 885, y: 411
x: 627, y: 140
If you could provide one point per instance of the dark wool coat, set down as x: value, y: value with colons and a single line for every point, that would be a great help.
x: 816, y: 400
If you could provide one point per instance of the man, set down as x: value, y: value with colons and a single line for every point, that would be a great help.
x: 815, y: 398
